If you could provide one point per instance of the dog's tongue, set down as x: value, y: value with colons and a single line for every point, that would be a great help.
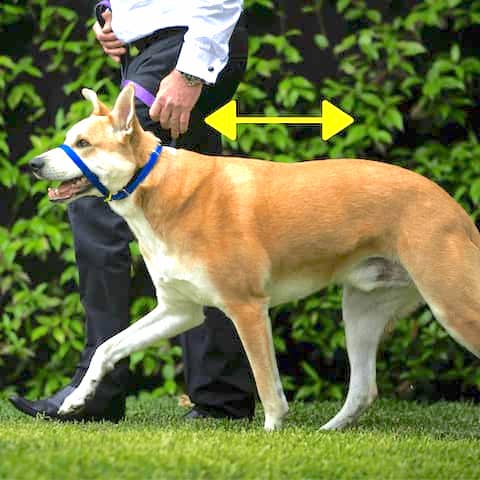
x: 67, y: 189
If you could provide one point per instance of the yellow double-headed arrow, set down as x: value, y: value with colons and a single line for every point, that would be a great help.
x: 333, y: 120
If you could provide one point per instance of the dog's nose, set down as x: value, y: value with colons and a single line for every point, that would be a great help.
x: 37, y: 163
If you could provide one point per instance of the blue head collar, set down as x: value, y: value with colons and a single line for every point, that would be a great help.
x: 95, y: 181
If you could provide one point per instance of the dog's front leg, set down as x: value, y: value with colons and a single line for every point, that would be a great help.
x: 161, y: 323
x: 254, y: 328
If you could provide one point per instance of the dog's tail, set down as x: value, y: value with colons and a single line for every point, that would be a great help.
x: 445, y: 268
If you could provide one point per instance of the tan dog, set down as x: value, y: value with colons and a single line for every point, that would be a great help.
x: 243, y: 235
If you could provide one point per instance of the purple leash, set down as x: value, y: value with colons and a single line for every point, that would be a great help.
x: 146, y: 97
x: 141, y: 93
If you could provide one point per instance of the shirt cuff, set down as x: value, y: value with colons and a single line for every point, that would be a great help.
x: 196, y: 60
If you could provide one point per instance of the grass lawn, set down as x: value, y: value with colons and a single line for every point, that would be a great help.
x: 393, y: 440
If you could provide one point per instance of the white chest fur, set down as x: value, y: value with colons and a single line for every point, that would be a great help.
x: 172, y: 275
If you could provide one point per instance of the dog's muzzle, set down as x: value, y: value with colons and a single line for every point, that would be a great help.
x: 67, y: 189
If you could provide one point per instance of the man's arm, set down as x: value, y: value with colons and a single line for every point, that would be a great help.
x: 204, y: 54
x: 205, y: 49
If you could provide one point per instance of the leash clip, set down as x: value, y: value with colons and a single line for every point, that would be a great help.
x: 108, y: 198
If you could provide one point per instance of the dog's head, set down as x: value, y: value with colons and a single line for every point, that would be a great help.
x: 103, y: 141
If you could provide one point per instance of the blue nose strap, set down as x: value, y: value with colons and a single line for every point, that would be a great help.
x: 95, y: 181
x: 92, y: 178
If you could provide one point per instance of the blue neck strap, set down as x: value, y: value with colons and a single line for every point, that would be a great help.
x: 95, y: 181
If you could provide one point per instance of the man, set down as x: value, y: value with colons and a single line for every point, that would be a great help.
x: 193, y: 55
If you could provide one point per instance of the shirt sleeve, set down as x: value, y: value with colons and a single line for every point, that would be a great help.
x: 205, y: 47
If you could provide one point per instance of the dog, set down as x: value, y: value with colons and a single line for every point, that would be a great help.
x: 244, y: 235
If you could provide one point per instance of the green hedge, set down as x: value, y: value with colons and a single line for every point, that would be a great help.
x: 413, y: 103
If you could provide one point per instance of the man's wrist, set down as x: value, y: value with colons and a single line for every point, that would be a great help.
x: 191, y: 80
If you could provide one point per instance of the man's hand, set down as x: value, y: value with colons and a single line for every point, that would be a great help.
x: 112, y: 46
x: 174, y: 101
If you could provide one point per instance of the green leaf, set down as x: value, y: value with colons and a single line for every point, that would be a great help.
x: 39, y: 332
x: 15, y: 96
x: 347, y: 43
x: 365, y: 38
x: 411, y: 48
x: 321, y: 41
x: 59, y: 335
x: 6, y: 62
x: 372, y: 99
x: 374, y: 15
x: 450, y: 83
x: 342, y: 5
x: 310, y: 371
x: 455, y: 53
x: 475, y: 191
x: 48, y: 45
x: 355, y: 134
x: 66, y: 13
x: 168, y: 372
x: 381, y: 136
x: 393, y: 118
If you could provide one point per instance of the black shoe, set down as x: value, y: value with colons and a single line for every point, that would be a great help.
x: 98, y: 409
x: 198, y: 412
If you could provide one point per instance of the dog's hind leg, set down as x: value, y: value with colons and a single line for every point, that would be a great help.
x: 160, y: 323
x: 366, y: 315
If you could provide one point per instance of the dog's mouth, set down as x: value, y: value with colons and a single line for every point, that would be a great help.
x: 69, y: 189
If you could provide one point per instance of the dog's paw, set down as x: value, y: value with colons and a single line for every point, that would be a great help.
x: 272, y: 423
x: 72, y: 404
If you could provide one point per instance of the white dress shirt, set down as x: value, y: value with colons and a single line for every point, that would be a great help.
x: 210, y: 24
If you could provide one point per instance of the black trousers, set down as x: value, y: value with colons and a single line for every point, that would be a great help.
x: 217, y: 373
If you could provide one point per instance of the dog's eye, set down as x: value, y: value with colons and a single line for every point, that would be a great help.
x: 82, y: 143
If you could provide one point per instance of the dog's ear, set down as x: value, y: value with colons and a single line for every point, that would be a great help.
x: 99, y: 108
x: 123, y: 112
